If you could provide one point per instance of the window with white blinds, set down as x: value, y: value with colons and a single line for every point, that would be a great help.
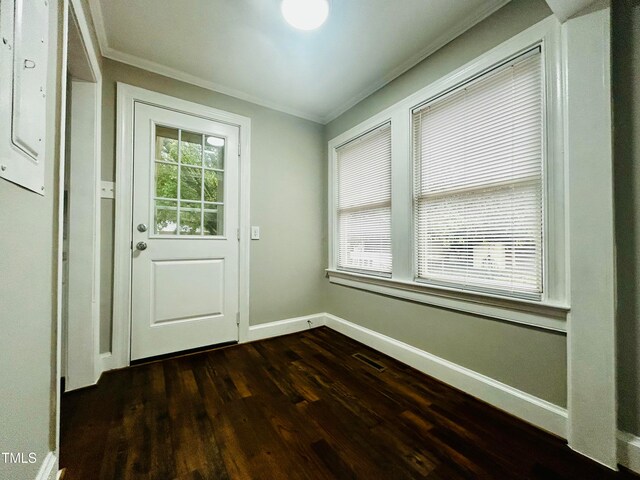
x: 478, y: 193
x: 364, y: 202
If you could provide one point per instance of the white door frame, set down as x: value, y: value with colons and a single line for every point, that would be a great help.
x: 81, y: 350
x: 127, y: 96
x: 72, y: 11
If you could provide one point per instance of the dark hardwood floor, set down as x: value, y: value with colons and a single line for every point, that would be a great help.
x: 298, y: 407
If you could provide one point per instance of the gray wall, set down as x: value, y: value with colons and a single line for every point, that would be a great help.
x: 289, y: 156
x: 27, y: 303
x: 626, y: 92
x: 528, y: 359
x: 288, y: 162
x: 287, y: 192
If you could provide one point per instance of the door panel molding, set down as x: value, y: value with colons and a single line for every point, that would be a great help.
x: 127, y: 97
x: 211, y: 303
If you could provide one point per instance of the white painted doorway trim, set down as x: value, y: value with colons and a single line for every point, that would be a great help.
x: 127, y: 96
x: 591, y: 338
x: 83, y: 211
x: 68, y: 9
x: 82, y: 347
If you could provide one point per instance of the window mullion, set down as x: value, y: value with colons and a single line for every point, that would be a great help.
x: 401, y: 197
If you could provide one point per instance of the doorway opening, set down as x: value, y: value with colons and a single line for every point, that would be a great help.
x: 80, y: 209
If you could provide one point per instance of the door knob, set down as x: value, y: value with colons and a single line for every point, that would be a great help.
x: 141, y: 245
x: 142, y: 227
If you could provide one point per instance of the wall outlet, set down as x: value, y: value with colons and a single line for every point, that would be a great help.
x: 255, y: 233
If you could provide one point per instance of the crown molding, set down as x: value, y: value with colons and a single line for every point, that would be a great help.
x: 431, y: 48
x: 565, y: 9
x: 138, y: 62
x: 160, y: 69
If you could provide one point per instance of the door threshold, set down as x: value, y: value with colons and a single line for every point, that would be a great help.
x: 181, y: 353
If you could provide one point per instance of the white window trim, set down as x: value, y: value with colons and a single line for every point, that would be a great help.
x: 548, y: 313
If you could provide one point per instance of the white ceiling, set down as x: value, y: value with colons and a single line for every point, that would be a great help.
x: 244, y: 48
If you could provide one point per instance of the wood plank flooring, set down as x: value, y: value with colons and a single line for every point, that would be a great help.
x: 298, y: 407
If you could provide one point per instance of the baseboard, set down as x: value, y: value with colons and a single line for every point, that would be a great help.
x: 284, y: 327
x: 629, y: 451
x: 530, y: 408
x: 106, y: 362
x: 48, y: 467
x: 534, y: 410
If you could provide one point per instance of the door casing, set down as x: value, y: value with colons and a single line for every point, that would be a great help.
x: 127, y: 96
x: 79, y: 329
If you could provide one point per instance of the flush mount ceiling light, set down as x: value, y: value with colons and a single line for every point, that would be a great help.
x: 305, y: 14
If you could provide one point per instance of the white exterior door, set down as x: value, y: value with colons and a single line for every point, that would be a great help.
x: 185, y: 222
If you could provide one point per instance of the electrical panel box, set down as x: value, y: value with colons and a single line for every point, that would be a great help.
x: 24, y: 49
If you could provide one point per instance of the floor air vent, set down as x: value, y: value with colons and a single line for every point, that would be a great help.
x: 369, y: 361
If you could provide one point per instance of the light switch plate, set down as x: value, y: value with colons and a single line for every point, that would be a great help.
x: 255, y: 233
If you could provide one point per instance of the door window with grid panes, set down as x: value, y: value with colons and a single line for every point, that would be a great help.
x: 189, y: 183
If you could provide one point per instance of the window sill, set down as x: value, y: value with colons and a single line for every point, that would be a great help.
x: 545, y: 315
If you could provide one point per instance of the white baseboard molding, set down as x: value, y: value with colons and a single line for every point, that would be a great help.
x: 284, y: 327
x: 530, y: 408
x: 70, y: 385
x: 534, y: 410
x: 106, y: 362
x: 48, y: 467
x: 629, y: 451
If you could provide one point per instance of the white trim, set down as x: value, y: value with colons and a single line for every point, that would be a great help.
x: 48, y: 468
x: 201, y: 82
x: 85, y: 31
x: 530, y: 408
x: 565, y: 10
x: 245, y: 226
x: 98, y: 24
x: 591, y: 339
x: 127, y: 95
x: 545, y: 30
x: 64, y: 26
x: 428, y: 50
x: 83, y: 283
x: 107, y: 362
x: 541, y: 315
x: 629, y: 451
x: 284, y: 327
x: 138, y: 62
x: 538, y: 412
x: 83, y: 338
x: 550, y: 312
x: 135, y: 61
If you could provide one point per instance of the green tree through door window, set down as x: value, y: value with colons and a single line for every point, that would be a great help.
x: 189, y: 183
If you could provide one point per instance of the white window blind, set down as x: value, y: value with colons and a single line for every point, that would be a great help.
x: 478, y: 209
x: 364, y: 202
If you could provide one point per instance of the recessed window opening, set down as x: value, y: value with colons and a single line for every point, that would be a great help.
x: 478, y: 182
x: 364, y: 202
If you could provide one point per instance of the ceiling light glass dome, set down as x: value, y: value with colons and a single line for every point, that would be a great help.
x: 305, y: 14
